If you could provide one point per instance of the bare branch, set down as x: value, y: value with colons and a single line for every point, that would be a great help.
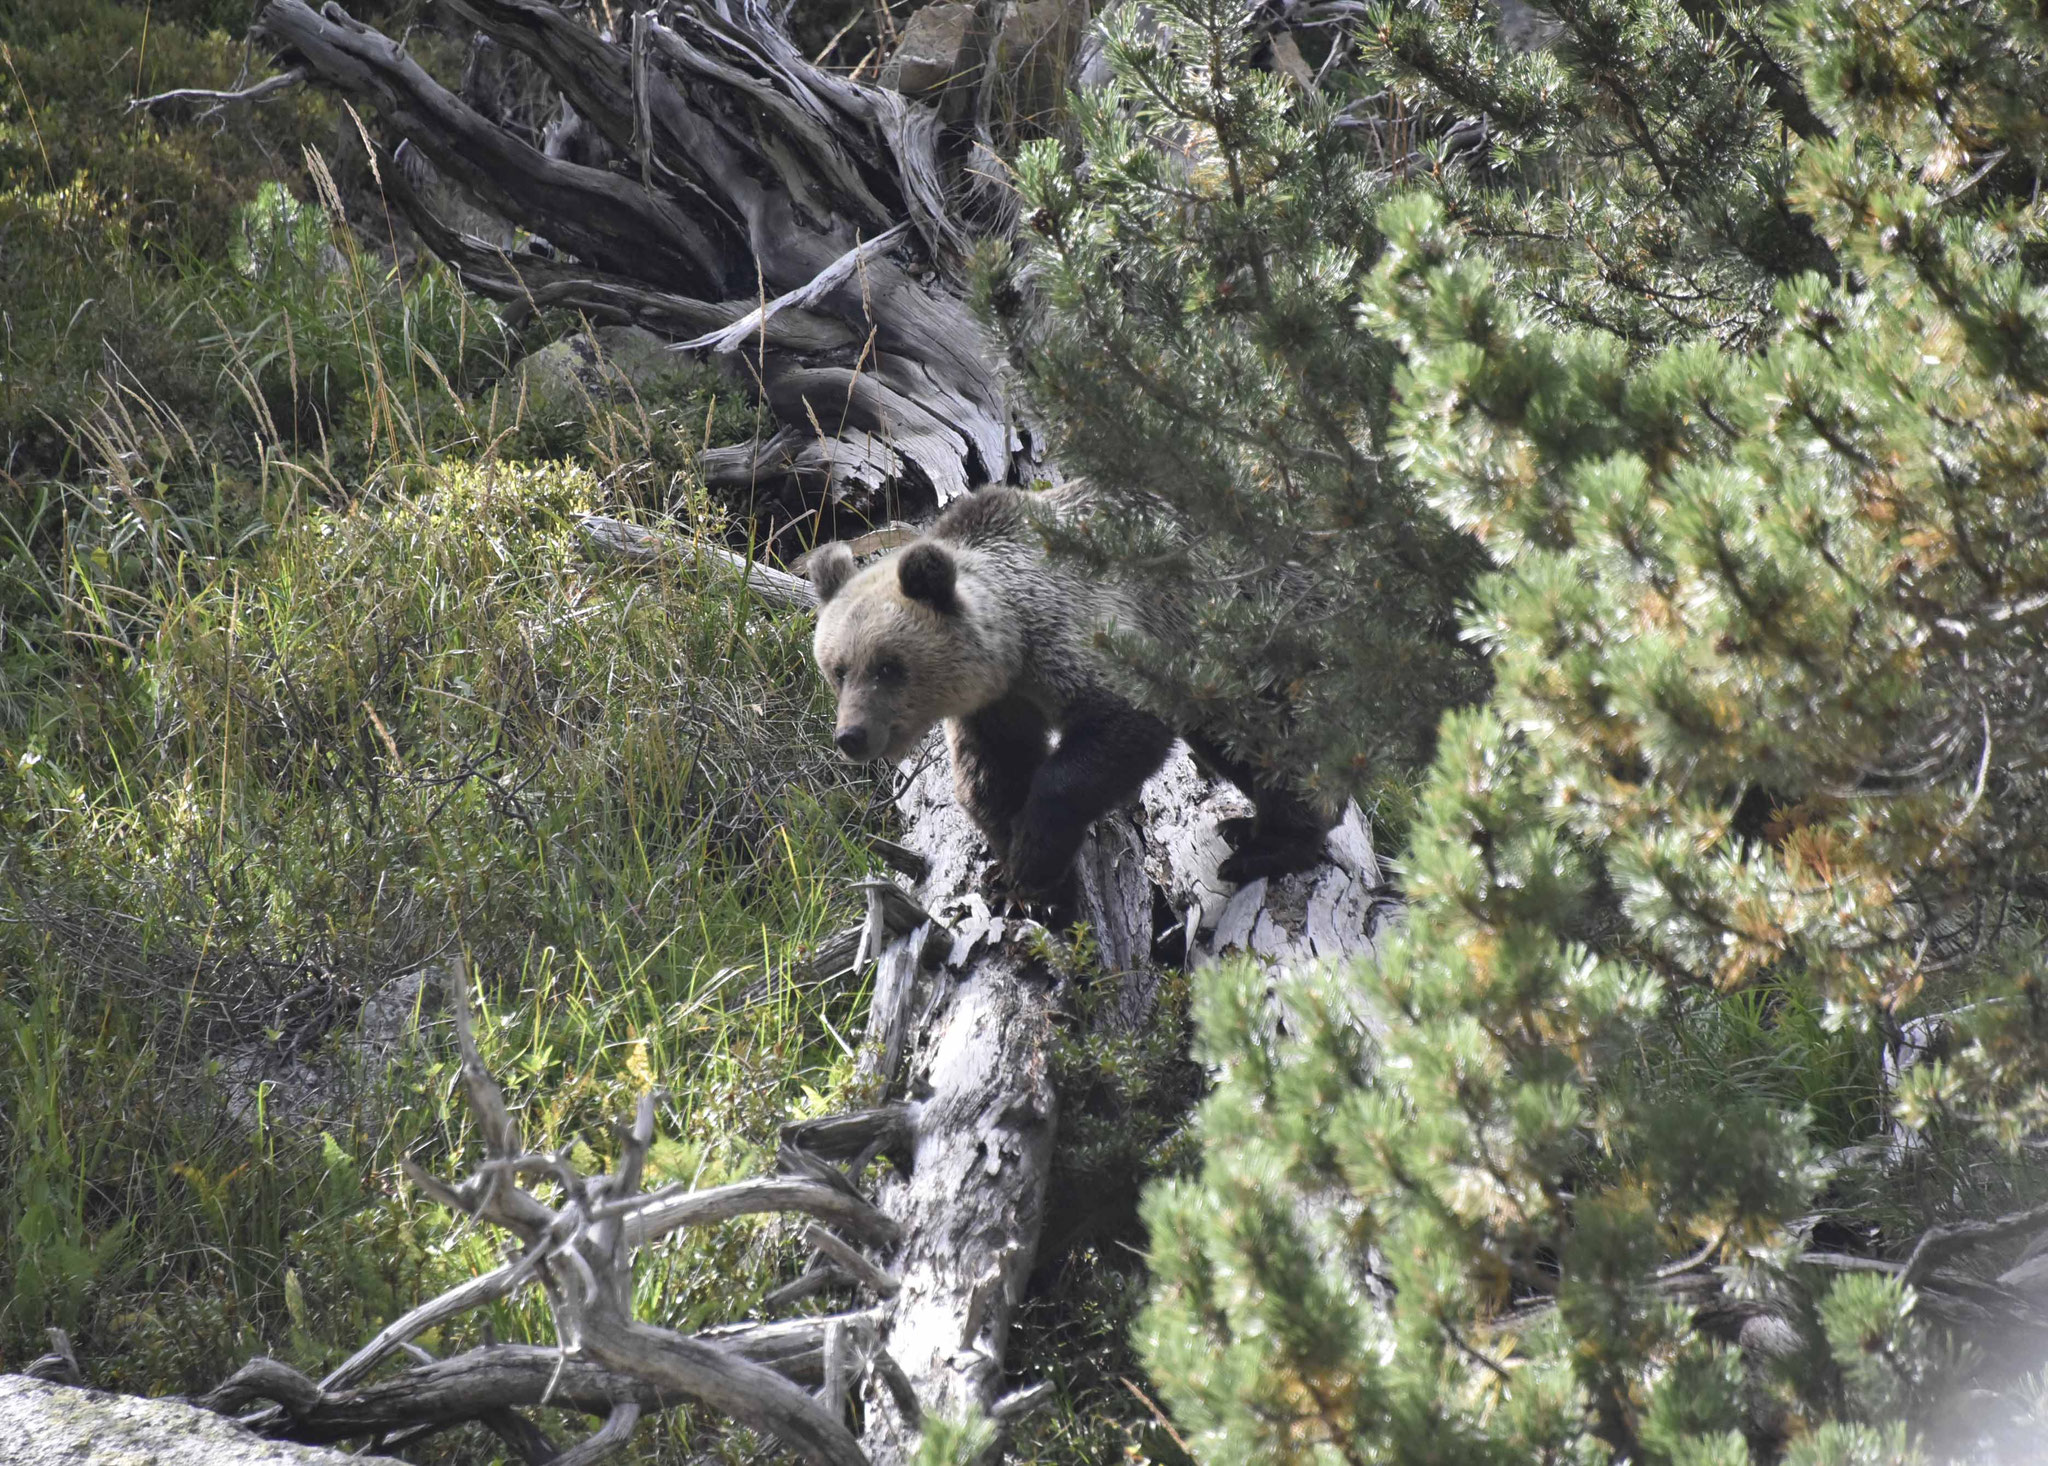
x: 732, y: 337
x: 269, y: 86
x: 263, y: 1379
x: 485, y: 1288
x: 479, y: 1383
x: 881, y: 1131
x: 743, y: 1390
x: 1938, y: 1244
x: 901, y: 1393
x: 853, y: 1260
x: 661, y: 1212
x: 533, y: 1444
x: 832, y: 1395
x: 900, y: 858
x: 609, y: 1437
x: 616, y: 539
x: 816, y: 1280
x: 60, y: 1365
x: 899, y: 912
x: 1019, y: 1403
x: 600, y: 216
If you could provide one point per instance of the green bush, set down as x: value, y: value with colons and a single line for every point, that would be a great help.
x: 104, y: 211
x: 1595, y: 1163
x: 388, y: 735
x: 305, y: 684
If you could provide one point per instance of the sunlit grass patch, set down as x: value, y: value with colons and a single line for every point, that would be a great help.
x: 392, y: 734
x: 307, y: 686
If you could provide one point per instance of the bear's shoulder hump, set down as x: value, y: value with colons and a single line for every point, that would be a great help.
x: 986, y: 516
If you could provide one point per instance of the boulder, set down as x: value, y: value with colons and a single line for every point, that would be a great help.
x: 1525, y: 28
x: 57, y: 1425
x: 638, y: 355
x: 1031, y: 56
x: 610, y: 364
x: 563, y: 374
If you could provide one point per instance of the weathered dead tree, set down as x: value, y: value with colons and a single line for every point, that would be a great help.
x: 960, y: 1033
x: 808, y: 229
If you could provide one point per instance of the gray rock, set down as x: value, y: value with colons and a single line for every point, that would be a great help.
x: 316, y: 1088
x: 924, y: 52
x: 56, y: 1425
x: 641, y: 357
x: 1525, y: 28
x: 2029, y: 1276
x: 564, y: 375
x: 1032, y: 51
x: 612, y: 364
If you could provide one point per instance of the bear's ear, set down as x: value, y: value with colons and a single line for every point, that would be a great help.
x: 830, y: 567
x: 927, y: 574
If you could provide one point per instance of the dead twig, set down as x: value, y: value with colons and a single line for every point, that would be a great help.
x: 580, y: 1251
x: 615, y: 539
x: 853, y: 1260
x: 269, y: 86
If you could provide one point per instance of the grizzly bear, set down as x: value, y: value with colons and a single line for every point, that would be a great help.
x: 973, y: 624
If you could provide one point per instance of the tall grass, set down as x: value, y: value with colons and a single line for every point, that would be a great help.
x: 316, y: 691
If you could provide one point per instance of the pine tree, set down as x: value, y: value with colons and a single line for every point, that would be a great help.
x: 1731, y: 350
x: 1180, y: 311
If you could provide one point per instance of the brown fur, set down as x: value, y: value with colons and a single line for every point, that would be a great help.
x: 972, y: 625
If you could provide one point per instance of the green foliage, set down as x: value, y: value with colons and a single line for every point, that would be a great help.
x: 72, y: 67
x: 306, y: 684
x: 1124, y: 1100
x: 954, y: 1442
x: 388, y: 730
x: 1750, y: 429
x: 1636, y: 169
x: 1181, y: 313
x: 105, y: 211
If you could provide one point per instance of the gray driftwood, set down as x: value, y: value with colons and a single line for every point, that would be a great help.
x: 580, y: 1250
x: 958, y: 1044
x: 808, y: 229
x: 633, y: 544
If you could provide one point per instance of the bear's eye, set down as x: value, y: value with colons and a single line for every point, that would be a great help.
x: 839, y: 674
x: 889, y: 670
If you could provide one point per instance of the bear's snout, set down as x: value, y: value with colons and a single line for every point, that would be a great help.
x: 852, y: 742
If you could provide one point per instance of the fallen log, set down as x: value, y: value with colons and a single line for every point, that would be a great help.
x: 960, y: 1032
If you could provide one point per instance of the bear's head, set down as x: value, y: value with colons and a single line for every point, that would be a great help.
x: 904, y: 643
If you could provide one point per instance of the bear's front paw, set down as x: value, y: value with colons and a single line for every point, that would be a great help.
x: 1238, y: 829
x: 1038, y: 861
x: 1271, y: 854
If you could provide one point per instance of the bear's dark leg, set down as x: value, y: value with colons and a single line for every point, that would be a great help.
x: 996, y: 754
x: 1285, y: 835
x: 1105, y: 755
